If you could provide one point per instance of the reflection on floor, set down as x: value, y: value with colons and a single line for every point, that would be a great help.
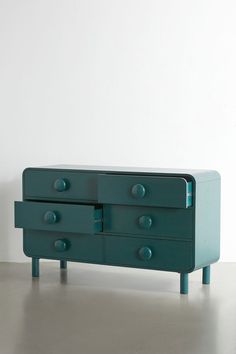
x: 95, y: 309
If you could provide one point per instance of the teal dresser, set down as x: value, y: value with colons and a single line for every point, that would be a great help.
x: 160, y: 219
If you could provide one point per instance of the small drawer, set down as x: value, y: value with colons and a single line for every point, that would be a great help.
x: 43, y: 184
x: 148, y: 221
x: 176, y: 256
x: 58, y: 217
x: 53, y: 245
x: 173, y: 192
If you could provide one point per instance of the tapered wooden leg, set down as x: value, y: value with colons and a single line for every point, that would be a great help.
x: 63, y: 264
x: 35, y: 267
x: 206, y: 275
x: 183, y: 283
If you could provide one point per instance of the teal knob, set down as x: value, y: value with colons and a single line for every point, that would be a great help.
x: 138, y: 191
x: 60, y: 245
x: 50, y: 217
x: 145, y: 222
x: 61, y: 185
x: 145, y: 253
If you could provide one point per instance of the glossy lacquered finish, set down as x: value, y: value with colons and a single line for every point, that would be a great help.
x: 152, y: 219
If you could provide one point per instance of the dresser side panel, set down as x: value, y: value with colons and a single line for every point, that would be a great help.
x: 207, y: 223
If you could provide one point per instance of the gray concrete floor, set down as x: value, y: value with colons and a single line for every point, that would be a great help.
x: 95, y: 309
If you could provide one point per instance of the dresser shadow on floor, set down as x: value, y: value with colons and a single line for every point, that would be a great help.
x: 113, y: 311
x: 96, y: 309
x: 109, y: 278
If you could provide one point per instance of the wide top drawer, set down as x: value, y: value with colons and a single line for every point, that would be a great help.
x: 44, y: 184
x: 173, y: 192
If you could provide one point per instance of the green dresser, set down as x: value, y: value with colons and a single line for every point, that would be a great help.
x: 162, y: 219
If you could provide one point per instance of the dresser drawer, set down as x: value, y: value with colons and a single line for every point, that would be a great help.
x: 148, y: 253
x: 148, y: 221
x: 58, y: 217
x: 43, y: 184
x: 174, y: 192
x: 53, y: 245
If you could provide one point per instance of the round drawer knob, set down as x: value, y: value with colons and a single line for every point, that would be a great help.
x: 61, y: 185
x: 50, y: 217
x: 138, y: 191
x: 145, y: 253
x: 145, y: 222
x: 60, y: 245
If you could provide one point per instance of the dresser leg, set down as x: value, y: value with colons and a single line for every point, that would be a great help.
x: 183, y: 283
x: 63, y: 264
x: 35, y: 267
x: 206, y: 275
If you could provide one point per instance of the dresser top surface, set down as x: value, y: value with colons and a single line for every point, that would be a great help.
x: 198, y: 174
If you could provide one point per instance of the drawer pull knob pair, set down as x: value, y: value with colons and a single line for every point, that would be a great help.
x: 60, y: 245
x: 145, y: 222
x: 138, y: 191
x: 145, y: 253
x: 61, y: 185
x: 50, y: 217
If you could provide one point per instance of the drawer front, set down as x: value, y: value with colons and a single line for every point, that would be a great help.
x: 58, y: 217
x: 167, y: 255
x: 53, y: 245
x: 58, y: 185
x: 146, y: 221
x: 174, y: 192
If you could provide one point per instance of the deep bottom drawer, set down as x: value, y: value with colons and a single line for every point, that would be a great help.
x: 166, y: 255
x: 53, y: 245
